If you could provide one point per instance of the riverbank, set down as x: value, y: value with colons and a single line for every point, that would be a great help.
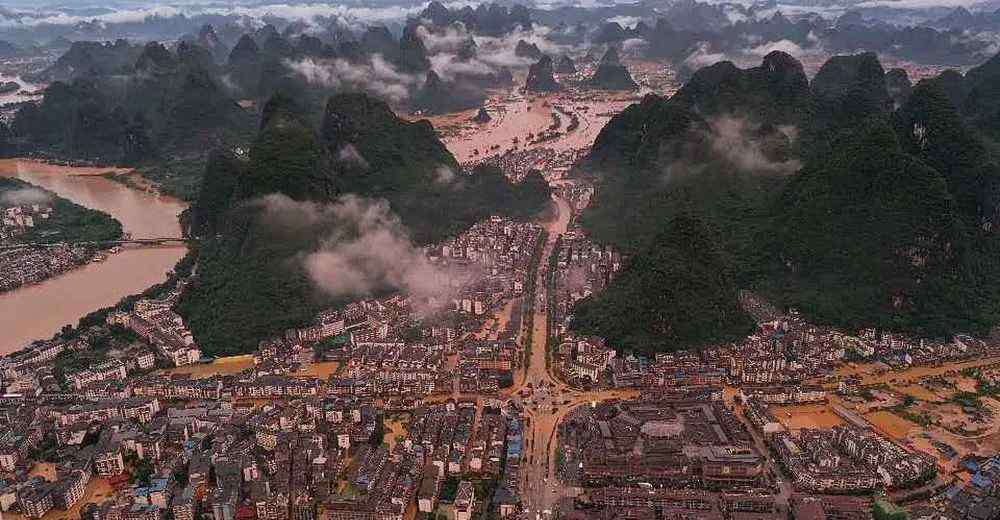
x: 39, y: 311
x: 35, y: 215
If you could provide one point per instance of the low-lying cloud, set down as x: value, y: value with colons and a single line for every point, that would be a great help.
x: 787, y: 46
x: 366, y: 249
x: 733, y: 144
x: 310, y: 13
x: 350, y: 156
x: 446, y: 177
x: 627, y: 22
x: 500, y: 52
x: 732, y: 138
x: 377, y: 76
x: 703, y: 56
x: 25, y: 196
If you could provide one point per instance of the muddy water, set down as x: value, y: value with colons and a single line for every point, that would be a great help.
x: 16, y: 96
x: 40, y: 310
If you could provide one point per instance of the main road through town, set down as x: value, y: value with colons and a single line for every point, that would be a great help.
x: 546, y: 400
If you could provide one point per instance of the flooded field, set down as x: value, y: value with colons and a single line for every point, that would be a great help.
x: 806, y: 416
x: 223, y: 366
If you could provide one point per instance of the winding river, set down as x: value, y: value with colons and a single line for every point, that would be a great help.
x: 38, y: 311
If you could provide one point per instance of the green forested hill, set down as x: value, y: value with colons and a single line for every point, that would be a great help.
x: 678, y: 292
x: 866, y: 235
x: 168, y: 107
x: 823, y: 199
x: 252, y: 283
x: 68, y: 222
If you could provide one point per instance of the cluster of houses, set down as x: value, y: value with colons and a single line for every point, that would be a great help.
x: 27, y: 266
x: 577, y: 195
x: 32, y: 371
x: 484, y: 366
x: 979, y: 498
x: 583, y: 359
x: 581, y: 268
x: 677, y: 440
x: 156, y: 322
x: 640, y: 502
x: 487, y: 264
x: 298, y: 456
x: 518, y: 163
x: 392, y: 368
x: 848, y: 458
x: 16, y: 220
x: 782, y: 353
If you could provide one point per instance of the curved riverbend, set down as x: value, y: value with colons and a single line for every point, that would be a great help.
x: 38, y: 311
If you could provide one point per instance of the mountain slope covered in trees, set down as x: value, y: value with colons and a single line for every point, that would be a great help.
x: 252, y: 283
x: 819, y: 196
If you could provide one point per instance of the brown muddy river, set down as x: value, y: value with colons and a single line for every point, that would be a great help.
x: 38, y: 311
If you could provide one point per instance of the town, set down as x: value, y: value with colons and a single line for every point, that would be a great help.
x: 36, y: 220
x: 487, y: 405
x: 475, y: 397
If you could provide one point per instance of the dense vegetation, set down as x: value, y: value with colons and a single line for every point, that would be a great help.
x: 656, y: 286
x: 251, y: 282
x: 69, y: 221
x: 154, y: 108
x: 878, y: 209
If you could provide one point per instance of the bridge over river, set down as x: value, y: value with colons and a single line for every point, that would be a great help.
x: 158, y: 241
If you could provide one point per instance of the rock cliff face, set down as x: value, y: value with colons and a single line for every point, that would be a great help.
x: 611, y: 74
x: 490, y: 19
x: 527, y: 50
x: 439, y: 97
x: 540, y: 78
x: 565, y: 65
x: 482, y: 116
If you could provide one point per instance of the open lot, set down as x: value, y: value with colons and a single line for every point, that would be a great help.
x: 319, y: 370
x: 97, y: 491
x: 921, y: 392
x: 220, y: 367
x: 878, y: 373
x: 890, y: 424
x: 806, y: 416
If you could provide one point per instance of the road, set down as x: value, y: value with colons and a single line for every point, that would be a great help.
x: 547, y: 401
x: 784, y: 485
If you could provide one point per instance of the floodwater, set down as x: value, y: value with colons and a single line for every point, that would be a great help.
x: 515, y: 117
x: 38, y: 311
x: 17, y: 96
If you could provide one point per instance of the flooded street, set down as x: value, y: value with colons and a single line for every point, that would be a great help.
x: 38, y: 311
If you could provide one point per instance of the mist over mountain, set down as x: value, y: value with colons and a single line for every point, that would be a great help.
x: 163, y: 106
x: 275, y: 221
x: 142, y: 103
x: 255, y: 112
x: 541, y: 77
x: 856, y: 206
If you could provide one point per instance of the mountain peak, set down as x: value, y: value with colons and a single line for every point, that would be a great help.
x: 540, y: 77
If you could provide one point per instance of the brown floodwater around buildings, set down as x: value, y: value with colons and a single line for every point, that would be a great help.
x: 40, y: 310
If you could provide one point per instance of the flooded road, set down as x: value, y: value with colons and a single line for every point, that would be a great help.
x: 38, y: 311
